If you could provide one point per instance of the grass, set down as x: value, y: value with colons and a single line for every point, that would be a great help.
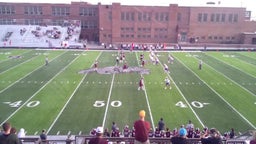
x: 57, y: 98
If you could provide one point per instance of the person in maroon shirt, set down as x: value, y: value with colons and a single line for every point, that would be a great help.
x: 142, y: 128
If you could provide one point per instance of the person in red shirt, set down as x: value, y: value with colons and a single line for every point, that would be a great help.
x: 142, y: 128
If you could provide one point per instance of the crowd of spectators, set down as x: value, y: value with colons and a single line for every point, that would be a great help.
x: 163, y: 132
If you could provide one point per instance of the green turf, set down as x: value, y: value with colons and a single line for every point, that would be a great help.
x: 57, y: 98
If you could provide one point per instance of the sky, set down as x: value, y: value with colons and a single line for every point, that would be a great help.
x: 248, y: 4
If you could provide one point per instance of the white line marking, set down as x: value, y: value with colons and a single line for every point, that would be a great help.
x: 109, y: 95
x: 67, y: 101
x: 185, y: 98
x: 26, y: 75
x: 232, y: 81
x: 145, y: 91
x: 18, y: 65
x: 35, y: 93
x: 221, y: 97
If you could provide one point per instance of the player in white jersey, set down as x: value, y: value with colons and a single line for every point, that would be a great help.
x: 166, y: 68
x: 167, y: 83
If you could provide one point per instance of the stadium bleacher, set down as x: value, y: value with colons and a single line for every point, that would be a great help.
x: 40, y: 36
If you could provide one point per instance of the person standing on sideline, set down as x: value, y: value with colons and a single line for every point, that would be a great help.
x: 200, y: 65
x: 142, y: 128
x: 99, y: 137
x: 180, y: 138
x: 161, y: 124
x: 7, y: 137
x: 190, y: 125
x: 46, y: 61
x: 43, y: 137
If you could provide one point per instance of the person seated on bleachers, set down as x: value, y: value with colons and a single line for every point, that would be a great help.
x: 126, y: 131
x: 197, y: 133
x: 93, y: 132
x: 157, y: 132
x: 168, y: 133
x: 151, y: 133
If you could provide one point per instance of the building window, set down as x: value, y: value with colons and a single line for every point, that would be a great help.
x: 87, y: 11
x: 157, y: 16
x: 7, y: 10
x: 223, y: 17
x: 230, y: 18
x: 122, y: 16
x: 60, y: 11
x: 217, y: 17
x: 139, y: 16
x: 236, y: 18
x: 110, y: 15
x: 212, y: 17
x: 200, y: 17
x: 89, y: 25
x: 179, y: 17
x: 33, y: 10
x: 205, y: 17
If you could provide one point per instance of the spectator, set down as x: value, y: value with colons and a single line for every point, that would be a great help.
x: 98, y: 139
x: 253, y: 141
x: 69, y: 140
x: 21, y: 133
x: 114, y: 126
x: 7, y: 137
x: 189, y: 125
x: 126, y: 131
x: 168, y: 133
x: 180, y: 138
x: 232, y: 133
x: 106, y: 133
x: 13, y: 130
x: 214, y: 137
x: 43, y: 137
x: 142, y: 128
x: 161, y: 124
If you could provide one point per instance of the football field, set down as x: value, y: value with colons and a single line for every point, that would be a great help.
x: 67, y: 96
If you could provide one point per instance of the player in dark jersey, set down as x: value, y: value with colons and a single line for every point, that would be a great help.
x: 141, y: 84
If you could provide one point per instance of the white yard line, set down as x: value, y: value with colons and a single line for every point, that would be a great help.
x: 26, y: 76
x: 109, y: 95
x: 17, y: 54
x: 18, y: 65
x: 55, y: 120
x: 36, y: 92
x: 220, y: 97
x: 233, y: 66
x: 146, y: 95
x: 184, y: 98
x: 231, y: 80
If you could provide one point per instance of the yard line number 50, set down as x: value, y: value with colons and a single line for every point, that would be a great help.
x: 102, y: 103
